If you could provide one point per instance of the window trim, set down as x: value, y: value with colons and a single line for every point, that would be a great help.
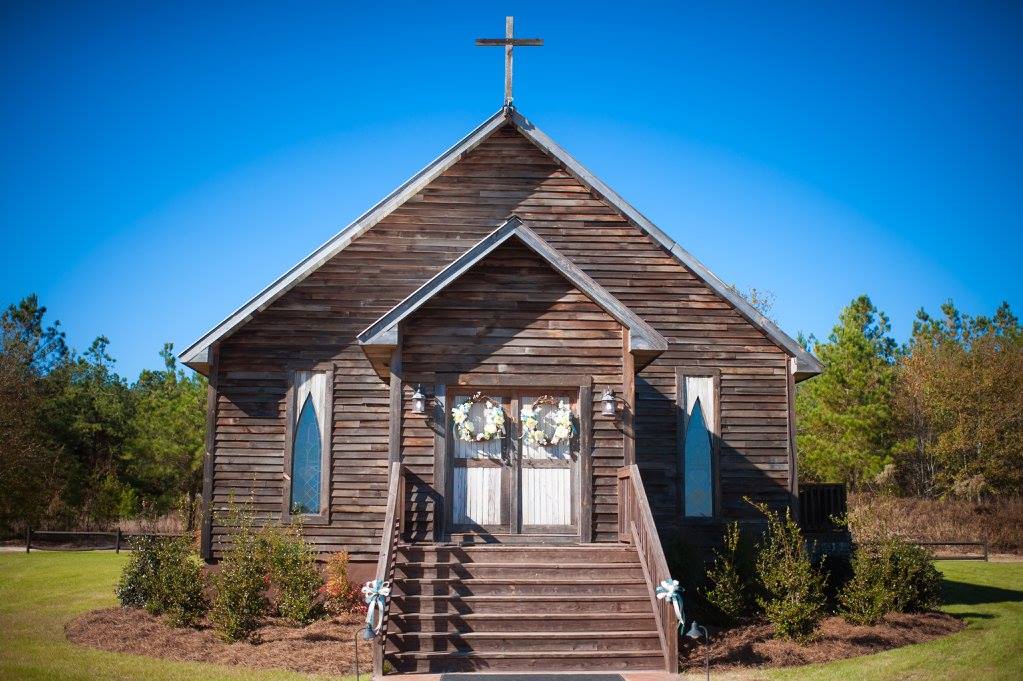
x: 291, y: 413
x: 681, y: 421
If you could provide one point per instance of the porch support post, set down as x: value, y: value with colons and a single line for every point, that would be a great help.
x: 394, y: 434
x: 628, y: 399
x: 440, y: 461
x: 206, y: 532
x: 586, y: 464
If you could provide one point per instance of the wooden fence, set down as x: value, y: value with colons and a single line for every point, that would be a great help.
x: 79, y: 540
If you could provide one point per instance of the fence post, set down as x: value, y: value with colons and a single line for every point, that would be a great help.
x: 117, y: 545
x: 28, y: 539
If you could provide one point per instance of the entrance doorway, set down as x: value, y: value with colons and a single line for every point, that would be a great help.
x: 513, y: 485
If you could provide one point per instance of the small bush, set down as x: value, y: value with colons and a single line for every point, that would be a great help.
x: 731, y: 577
x: 239, y: 599
x: 165, y: 576
x: 793, y: 590
x: 291, y: 566
x: 340, y: 595
x: 138, y: 578
x: 180, y: 584
x: 890, y: 576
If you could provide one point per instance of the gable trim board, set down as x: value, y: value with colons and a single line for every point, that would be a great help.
x: 197, y: 355
x: 645, y: 341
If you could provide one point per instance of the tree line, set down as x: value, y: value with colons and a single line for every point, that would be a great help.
x: 83, y: 447
x: 938, y: 416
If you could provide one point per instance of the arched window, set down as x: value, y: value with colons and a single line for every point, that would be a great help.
x: 699, y: 498
x: 698, y: 403
x: 305, y: 461
x: 308, y: 457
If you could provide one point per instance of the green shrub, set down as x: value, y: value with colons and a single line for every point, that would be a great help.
x: 889, y: 576
x: 239, y: 599
x: 137, y: 582
x: 165, y: 576
x: 340, y: 595
x: 180, y: 584
x: 731, y: 576
x: 291, y: 565
x: 792, y: 589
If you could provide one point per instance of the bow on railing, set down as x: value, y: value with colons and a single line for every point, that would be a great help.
x: 670, y: 591
x: 376, y: 593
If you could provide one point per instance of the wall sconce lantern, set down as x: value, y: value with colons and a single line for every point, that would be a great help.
x: 418, y: 401
x: 608, y: 401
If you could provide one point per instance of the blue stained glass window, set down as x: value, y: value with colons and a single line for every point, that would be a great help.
x: 699, y: 495
x: 306, y: 461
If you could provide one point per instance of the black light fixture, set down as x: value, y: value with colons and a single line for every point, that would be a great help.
x: 418, y: 401
x: 608, y: 401
x: 694, y: 633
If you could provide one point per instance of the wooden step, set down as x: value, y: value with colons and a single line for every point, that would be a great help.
x: 501, y: 553
x: 413, y: 623
x: 497, y: 604
x: 539, y: 570
x: 547, y: 661
x: 525, y: 587
x: 522, y: 641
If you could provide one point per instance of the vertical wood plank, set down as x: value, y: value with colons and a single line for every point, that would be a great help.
x: 206, y: 536
x: 790, y: 392
x: 629, y: 400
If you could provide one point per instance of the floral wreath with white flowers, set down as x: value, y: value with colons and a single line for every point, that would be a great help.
x: 564, y: 428
x: 493, y: 420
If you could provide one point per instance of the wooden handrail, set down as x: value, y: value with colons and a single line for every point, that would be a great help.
x: 636, y: 527
x: 394, y: 523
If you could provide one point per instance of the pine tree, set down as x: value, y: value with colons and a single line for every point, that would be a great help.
x: 846, y: 428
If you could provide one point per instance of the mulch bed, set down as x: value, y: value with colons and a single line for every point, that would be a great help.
x: 753, y: 645
x: 324, y: 647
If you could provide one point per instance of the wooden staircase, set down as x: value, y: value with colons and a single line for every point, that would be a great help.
x: 516, y: 608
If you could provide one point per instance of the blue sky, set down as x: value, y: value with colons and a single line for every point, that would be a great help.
x: 162, y: 162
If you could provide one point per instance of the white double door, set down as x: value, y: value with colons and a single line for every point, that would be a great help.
x: 509, y: 484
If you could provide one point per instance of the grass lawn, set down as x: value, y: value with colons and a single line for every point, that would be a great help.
x: 41, y: 591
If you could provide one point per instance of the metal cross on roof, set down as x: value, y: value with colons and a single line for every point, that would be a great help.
x: 508, y: 42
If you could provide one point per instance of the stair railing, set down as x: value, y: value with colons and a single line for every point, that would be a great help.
x: 394, y: 525
x: 636, y: 527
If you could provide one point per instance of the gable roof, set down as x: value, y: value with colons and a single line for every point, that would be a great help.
x: 197, y: 355
x: 645, y: 342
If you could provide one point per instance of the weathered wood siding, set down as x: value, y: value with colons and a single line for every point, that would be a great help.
x: 317, y: 320
x: 513, y: 314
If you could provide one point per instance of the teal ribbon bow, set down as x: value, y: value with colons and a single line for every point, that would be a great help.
x: 376, y: 593
x: 670, y: 591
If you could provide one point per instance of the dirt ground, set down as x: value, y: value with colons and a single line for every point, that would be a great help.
x: 325, y: 646
x: 754, y: 646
